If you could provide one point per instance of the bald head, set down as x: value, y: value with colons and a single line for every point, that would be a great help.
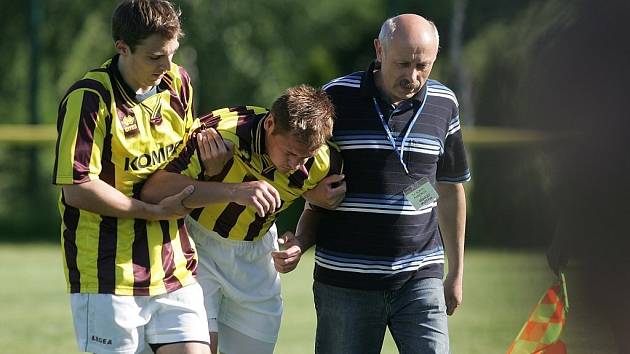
x: 409, y: 28
x: 406, y: 49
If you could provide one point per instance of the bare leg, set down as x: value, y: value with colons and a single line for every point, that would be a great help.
x: 184, y: 348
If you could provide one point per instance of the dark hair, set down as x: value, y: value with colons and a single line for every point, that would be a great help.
x: 306, y: 113
x: 135, y: 20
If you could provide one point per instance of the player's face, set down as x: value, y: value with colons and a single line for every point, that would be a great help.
x: 285, y: 150
x: 405, y: 66
x: 145, y: 66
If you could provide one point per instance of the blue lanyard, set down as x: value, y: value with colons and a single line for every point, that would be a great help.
x: 389, y: 133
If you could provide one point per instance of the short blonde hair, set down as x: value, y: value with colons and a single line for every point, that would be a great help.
x: 306, y: 113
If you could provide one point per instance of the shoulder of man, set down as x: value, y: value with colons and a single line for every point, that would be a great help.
x: 236, y: 124
x: 436, y: 88
x: 350, y: 81
x: 96, y: 81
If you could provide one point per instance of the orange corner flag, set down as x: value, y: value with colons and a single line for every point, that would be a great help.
x: 541, y: 333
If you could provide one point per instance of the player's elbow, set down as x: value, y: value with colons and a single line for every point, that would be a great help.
x: 150, y: 190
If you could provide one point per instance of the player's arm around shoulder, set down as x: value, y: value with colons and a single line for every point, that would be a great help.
x: 206, y: 154
x: 99, y: 197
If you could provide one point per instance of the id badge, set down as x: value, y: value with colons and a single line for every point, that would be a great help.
x: 421, y: 193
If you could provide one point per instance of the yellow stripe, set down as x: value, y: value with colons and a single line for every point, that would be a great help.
x: 87, y: 238
x: 155, y: 237
x: 68, y: 139
x: 124, y: 268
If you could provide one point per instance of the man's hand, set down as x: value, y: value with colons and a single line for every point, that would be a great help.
x: 214, y: 152
x: 328, y: 193
x: 286, y: 259
x: 173, y: 207
x: 453, y: 292
x: 258, y: 194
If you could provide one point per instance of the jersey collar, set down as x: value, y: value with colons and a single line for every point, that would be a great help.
x: 258, y: 146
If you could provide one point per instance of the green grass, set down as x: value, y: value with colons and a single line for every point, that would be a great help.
x: 500, y: 288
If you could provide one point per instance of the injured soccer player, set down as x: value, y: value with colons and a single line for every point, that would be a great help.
x: 248, y: 164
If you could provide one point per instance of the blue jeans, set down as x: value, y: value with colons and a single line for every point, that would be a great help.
x: 353, y: 321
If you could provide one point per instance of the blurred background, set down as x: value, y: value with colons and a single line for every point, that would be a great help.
x: 540, y: 82
x: 248, y: 52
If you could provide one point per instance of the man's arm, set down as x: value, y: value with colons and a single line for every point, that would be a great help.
x: 213, y: 154
x: 287, y: 259
x: 99, y: 197
x: 258, y: 194
x: 452, y: 219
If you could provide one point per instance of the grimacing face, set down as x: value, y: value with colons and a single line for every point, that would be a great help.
x: 145, y: 66
x: 285, y: 150
x: 405, y: 66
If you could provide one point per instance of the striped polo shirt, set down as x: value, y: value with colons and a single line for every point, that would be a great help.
x: 376, y: 239
x: 107, y: 133
x: 243, y: 126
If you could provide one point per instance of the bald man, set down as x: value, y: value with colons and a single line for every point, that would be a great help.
x: 380, y: 255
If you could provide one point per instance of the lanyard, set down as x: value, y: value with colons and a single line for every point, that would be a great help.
x: 389, y: 133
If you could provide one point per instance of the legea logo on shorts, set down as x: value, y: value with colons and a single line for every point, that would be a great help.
x: 101, y: 340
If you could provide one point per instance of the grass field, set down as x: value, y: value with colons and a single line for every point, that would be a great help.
x: 500, y: 289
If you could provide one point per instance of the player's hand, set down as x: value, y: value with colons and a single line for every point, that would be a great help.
x: 214, y: 151
x: 328, y: 193
x: 260, y: 195
x: 288, y: 257
x: 453, y: 292
x: 173, y: 207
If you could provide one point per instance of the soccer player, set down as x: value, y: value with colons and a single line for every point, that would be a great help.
x: 130, y: 265
x: 284, y: 147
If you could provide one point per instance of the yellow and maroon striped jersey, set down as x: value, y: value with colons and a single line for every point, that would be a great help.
x: 107, y: 133
x: 243, y: 126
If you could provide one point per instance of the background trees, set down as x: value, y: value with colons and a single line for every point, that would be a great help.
x: 247, y: 52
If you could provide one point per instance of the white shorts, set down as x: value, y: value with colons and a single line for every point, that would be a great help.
x: 240, y: 284
x: 105, y: 323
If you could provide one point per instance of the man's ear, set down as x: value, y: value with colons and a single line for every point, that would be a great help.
x: 122, y: 48
x: 269, y: 123
x: 378, y: 49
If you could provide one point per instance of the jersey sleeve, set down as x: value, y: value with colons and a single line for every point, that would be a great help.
x: 186, y: 95
x: 82, y: 124
x: 327, y: 161
x: 452, y: 165
x: 187, y: 161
